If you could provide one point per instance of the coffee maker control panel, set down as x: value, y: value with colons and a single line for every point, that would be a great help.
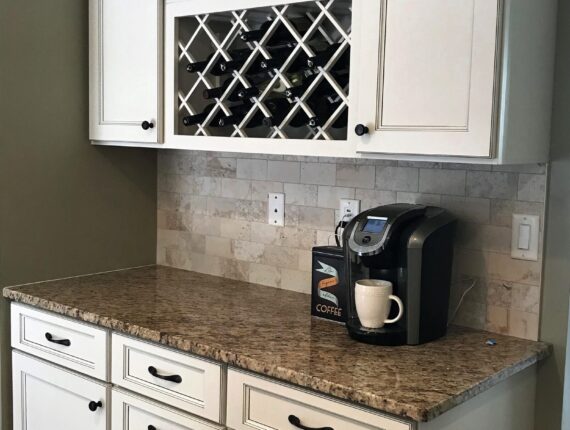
x: 370, y: 232
x: 368, y: 235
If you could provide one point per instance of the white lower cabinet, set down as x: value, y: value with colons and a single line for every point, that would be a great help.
x: 135, y: 413
x: 47, y: 397
x: 259, y: 403
x: 156, y: 388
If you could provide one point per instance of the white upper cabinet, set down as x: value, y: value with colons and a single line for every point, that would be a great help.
x: 435, y: 78
x: 126, y: 70
x: 433, y: 75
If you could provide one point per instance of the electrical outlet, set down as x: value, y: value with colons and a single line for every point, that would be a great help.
x: 276, y: 209
x: 348, y: 209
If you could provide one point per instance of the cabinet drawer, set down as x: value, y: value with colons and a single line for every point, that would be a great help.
x: 258, y: 403
x: 71, y: 344
x: 185, y: 382
x: 135, y: 413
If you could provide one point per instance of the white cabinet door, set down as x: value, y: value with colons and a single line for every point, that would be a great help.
x: 125, y: 70
x: 426, y: 80
x: 49, y: 398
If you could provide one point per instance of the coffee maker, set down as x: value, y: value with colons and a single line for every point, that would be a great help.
x: 412, y: 247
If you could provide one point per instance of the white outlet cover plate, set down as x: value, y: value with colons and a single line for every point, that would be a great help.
x: 345, y: 206
x: 276, y: 209
x: 524, y: 245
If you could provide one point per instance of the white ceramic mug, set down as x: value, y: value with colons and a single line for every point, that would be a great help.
x: 372, y: 298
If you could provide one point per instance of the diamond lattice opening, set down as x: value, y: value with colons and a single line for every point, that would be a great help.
x: 271, y: 72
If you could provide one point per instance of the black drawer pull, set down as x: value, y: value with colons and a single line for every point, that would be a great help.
x: 172, y: 378
x: 297, y: 423
x: 151, y: 428
x: 94, y: 405
x: 64, y: 342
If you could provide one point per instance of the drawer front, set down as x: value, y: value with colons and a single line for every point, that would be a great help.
x: 134, y: 413
x: 258, y: 403
x: 71, y: 344
x: 191, y: 384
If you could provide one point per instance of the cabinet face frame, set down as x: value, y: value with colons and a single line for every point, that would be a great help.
x: 178, y: 9
x: 478, y: 140
x: 152, y: 68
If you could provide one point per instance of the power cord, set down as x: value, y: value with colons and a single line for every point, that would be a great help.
x: 473, y: 284
x: 341, y: 224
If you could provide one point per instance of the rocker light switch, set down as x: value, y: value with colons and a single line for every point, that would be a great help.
x: 524, y: 237
x: 524, y: 245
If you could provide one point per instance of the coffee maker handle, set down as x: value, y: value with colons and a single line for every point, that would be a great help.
x: 400, y: 311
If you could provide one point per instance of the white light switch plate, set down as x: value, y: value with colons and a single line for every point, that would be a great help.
x: 524, y: 245
x: 276, y: 209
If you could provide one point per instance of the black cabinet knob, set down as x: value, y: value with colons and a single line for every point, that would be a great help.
x: 146, y: 125
x: 94, y: 405
x: 361, y: 130
x: 151, y: 428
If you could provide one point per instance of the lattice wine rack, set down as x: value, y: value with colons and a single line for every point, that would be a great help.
x: 272, y: 72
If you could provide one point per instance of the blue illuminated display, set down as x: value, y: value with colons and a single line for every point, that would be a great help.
x: 374, y: 225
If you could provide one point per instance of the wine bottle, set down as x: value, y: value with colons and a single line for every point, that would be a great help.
x: 277, y: 61
x: 239, y: 57
x: 198, y: 66
x: 217, y: 92
x: 323, y: 57
x: 281, y: 34
x: 256, y: 90
x: 341, y: 78
x: 248, y: 93
x: 278, y: 86
x: 279, y: 109
x: 222, y: 66
x: 238, y: 114
x: 199, y: 118
x: 323, y: 111
x: 235, y: 95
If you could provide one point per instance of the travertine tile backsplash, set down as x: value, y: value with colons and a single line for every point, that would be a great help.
x: 212, y: 218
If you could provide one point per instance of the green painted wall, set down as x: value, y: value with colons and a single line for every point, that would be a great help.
x: 556, y: 290
x: 66, y: 207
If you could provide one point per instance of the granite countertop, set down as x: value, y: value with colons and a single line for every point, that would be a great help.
x: 271, y: 332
